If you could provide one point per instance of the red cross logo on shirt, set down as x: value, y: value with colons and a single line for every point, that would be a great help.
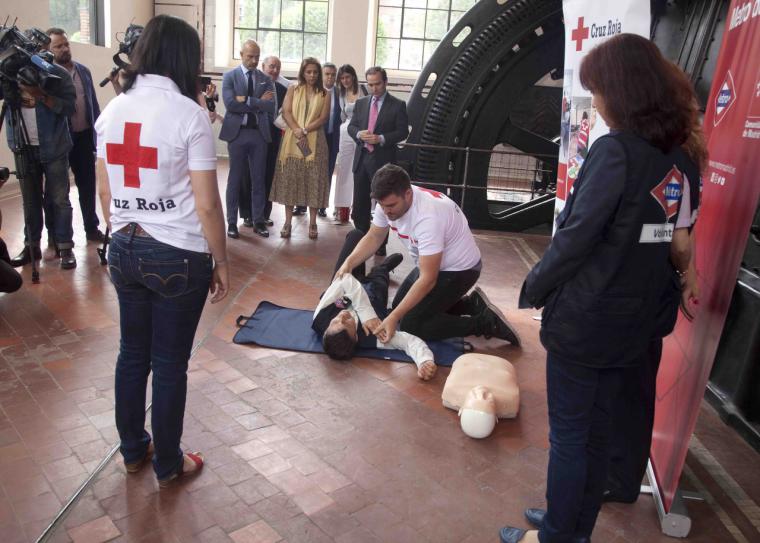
x: 130, y: 155
x: 579, y: 34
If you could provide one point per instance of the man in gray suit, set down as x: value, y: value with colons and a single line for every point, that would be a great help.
x: 248, y: 96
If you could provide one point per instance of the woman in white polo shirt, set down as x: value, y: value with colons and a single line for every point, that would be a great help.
x: 168, y: 246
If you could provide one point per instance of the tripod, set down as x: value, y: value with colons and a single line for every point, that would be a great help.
x: 22, y: 155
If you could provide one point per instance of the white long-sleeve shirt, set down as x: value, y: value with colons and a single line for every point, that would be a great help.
x: 362, y: 311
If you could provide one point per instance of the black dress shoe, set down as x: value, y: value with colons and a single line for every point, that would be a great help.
x: 508, y: 534
x: 95, y: 235
x: 392, y: 261
x: 269, y: 222
x: 535, y: 516
x: 68, y: 260
x: 232, y: 231
x: 25, y: 257
x: 322, y: 212
x: 261, y: 230
x: 299, y: 210
x: 248, y: 223
x: 381, y: 251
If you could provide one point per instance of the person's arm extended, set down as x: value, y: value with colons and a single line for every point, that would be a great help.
x: 430, y: 265
x: 414, y: 347
x: 208, y: 206
x: 366, y: 247
x: 104, y: 190
x: 323, y: 116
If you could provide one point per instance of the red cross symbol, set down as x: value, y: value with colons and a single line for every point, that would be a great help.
x: 579, y: 34
x: 130, y: 155
x: 433, y: 193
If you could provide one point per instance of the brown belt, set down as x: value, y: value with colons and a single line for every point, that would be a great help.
x: 134, y: 229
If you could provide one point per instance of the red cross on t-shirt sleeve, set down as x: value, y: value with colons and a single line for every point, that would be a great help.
x: 131, y: 155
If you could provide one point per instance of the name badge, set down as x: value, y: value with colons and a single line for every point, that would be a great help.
x: 656, y: 233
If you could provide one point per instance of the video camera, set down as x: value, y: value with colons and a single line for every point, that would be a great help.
x: 125, y: 48
x: 25, y: 60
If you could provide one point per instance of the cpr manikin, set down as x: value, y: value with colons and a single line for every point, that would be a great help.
x: 482, y: 388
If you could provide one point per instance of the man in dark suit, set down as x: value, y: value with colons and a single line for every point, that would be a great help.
x: 248, y: 96
x: 332, y: 126
x: 81, y: 122
x: 271, y: 66
x: 378, y: 124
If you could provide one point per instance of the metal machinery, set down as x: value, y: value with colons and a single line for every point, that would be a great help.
x: 495, y: 83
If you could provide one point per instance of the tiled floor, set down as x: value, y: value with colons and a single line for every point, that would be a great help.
x: 299, y: 448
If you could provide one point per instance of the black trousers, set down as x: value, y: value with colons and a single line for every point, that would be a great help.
x: 375, y: 283
x: 82, y: 163
x: 633, y: 419
x: 445, y: 311
x: 10, y: 279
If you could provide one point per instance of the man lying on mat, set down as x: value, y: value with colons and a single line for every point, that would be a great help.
x: 347, y: 313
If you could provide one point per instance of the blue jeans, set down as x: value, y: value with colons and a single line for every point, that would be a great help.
x: 161, y: 290
x: 56, y: 200
x: 581, y: 400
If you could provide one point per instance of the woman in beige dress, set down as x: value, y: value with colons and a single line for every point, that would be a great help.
x: 300, y: 178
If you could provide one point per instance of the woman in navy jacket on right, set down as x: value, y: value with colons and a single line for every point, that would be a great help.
x: 611, y: 281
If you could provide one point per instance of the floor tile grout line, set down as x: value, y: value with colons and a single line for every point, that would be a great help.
x: 715, y: 506
x: 64, y: 511
x: 728, y: 484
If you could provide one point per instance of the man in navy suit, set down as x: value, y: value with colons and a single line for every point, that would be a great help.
x: 81, y: 122
x: 248, y: 96
x: 332, y: 126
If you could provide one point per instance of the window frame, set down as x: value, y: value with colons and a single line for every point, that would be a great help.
x: 396, y: 69
x: 97, y: 23
x: 235, y: 53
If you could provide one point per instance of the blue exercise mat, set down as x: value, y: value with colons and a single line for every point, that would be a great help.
x: 283, y: 328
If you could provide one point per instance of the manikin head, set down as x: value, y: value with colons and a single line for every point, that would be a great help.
x: 477, y: 415
x: 392, y: 189
x: 341, y: 336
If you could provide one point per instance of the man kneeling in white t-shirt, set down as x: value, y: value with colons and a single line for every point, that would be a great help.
x: 432, y: 302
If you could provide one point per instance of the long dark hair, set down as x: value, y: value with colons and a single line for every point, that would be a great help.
x: 644, y: 93
x: 348, y: 69
x: 302, y: 70
x: 170, y: 47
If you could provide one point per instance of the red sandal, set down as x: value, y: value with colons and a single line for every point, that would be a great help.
x: 134, y: 467
x: 197, y: 460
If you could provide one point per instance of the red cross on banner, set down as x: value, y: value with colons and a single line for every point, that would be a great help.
x: 579, y: 34
x: 433, y: 193
x: 130, y: 155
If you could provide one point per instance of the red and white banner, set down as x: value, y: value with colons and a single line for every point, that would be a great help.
x: 729, y: 198
x: 588, y: 23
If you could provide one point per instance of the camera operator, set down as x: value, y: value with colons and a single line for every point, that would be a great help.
x: 81, y: 122
x: 45, y: 116
x: 10, y: 279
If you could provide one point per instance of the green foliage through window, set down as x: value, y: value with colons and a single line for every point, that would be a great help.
x: 77, y: 17
x: 408, y: 31
x: 290, y: 29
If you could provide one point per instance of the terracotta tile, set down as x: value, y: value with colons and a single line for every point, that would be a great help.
x: 252, y: 449
x: 235, y: 472
x: 329, y: 479
x: 37, y: 508
x: 258, y: 532
x: 269, y: 464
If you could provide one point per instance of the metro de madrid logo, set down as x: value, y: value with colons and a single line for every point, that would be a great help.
x: 725, y: 98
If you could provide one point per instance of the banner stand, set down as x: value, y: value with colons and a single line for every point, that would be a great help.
x: 675, y: 523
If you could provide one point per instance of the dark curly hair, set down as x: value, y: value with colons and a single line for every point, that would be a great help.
x: 646, y: 94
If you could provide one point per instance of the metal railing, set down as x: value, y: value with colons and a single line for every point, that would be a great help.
x: 512, y: 176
